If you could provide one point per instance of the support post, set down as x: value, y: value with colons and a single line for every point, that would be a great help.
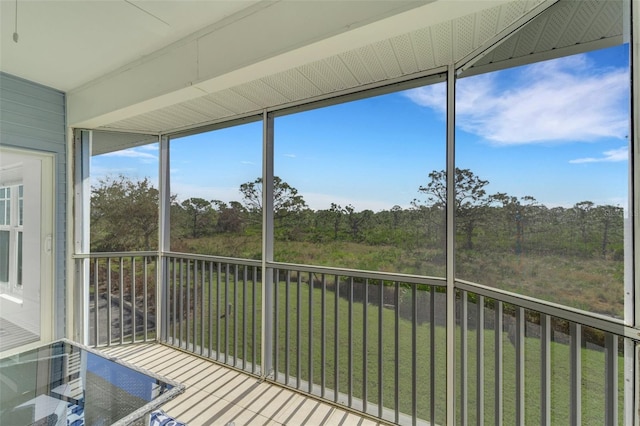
x: 450, y: 221
x: 82, y: 194
x: 164, y: 239
x: 267, y: 244
x: 631, y: 33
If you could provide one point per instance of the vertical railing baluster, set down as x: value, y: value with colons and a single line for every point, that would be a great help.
x: 245, y: 277
x: 182, y: 310
x: 174, y: 301
x: 168, y: 308
x: 161, y: 264
x: 210, y: 310
x: 520, y: 383
x: 432, y: 355
x: 310, y: 356
x: 287, y: 330
x: 188, y: 322
x: 121, y: 302
x: 133, y: 299
x: 218, y: 315
x: 202, y: 305
x: 226, y: 313
x: 145, y: 299
x: 96, y: 301
x: 380, y: 346
x: 195, y: 306
x: 498, y: 363
x: 611, y: 379
x: 576, y: 373
x: 414, y: 354
x: 298, y: 330
x: 336, y: 338
x: 276, y: 322
x: 464, y: 358
x: 235, y: 316
x: 323, y: 337
x: 545, y: 370
x: 396, y: 395
x: 254, y: 321
x: 365, y: 302
x: 350, y: 346
x: 109, y: 303
x: 480, y: 361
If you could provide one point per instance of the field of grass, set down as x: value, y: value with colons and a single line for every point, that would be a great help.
x: 590, y: 283
x: 594, y: 284
x: 344, y: 329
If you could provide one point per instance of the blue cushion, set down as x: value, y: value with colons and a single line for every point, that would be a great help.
x: 160, y: 418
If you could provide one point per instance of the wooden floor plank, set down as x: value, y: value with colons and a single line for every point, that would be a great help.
x: 216, y: 395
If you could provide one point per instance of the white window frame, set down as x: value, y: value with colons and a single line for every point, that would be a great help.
x: 15, y: 226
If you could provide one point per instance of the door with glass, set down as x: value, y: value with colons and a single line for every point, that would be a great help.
x: 26, y: 246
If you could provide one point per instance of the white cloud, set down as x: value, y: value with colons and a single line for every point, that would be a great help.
x: 250, y: 163
x: 132, y: 153
x: 150, y: 147
x: 290, y: 155
x: 433, y: 96
x: 553, y: 101
x: 612, y: 156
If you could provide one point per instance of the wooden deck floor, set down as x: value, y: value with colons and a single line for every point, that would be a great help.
x: 216, y: 395
x: 12, y: 335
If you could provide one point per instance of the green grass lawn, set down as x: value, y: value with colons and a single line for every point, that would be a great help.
x: 232, y: 333
x: 593, y: 385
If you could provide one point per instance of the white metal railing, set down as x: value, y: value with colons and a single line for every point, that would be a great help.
x: 211, y: 308
x: 374, y: 342
x: 121, y: 295
x: 536, y: 350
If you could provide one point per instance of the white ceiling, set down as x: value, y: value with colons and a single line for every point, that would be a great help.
x: 65, y: 44
x: 162, y: 66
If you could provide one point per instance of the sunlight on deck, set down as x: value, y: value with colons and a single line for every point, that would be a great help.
x: 216, y: 395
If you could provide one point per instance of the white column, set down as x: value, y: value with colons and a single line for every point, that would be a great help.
x: 164, y: 237
x: 451, y: 238
x: 267, y: 244
x: 82, y: 194
x: 632, y: 222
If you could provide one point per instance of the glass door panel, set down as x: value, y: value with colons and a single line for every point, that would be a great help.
x: 26, y: 264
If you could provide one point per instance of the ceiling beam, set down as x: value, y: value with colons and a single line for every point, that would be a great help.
x: 269, y: 41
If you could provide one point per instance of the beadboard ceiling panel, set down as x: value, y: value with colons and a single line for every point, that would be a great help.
x: 565, y: 24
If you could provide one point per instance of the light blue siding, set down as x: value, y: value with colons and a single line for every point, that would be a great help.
x: 33, y: 117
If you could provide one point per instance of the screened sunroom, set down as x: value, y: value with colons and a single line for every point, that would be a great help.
x: 310, y: 212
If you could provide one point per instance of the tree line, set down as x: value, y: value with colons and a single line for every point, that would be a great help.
x: 124, y: 217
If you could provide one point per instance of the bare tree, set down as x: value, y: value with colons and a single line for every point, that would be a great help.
x: 471, y: 199
x: 285, y: 197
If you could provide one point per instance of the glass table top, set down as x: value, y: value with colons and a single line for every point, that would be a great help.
x: 67, y: 384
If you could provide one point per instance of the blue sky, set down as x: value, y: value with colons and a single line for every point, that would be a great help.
x: 555, y: 130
